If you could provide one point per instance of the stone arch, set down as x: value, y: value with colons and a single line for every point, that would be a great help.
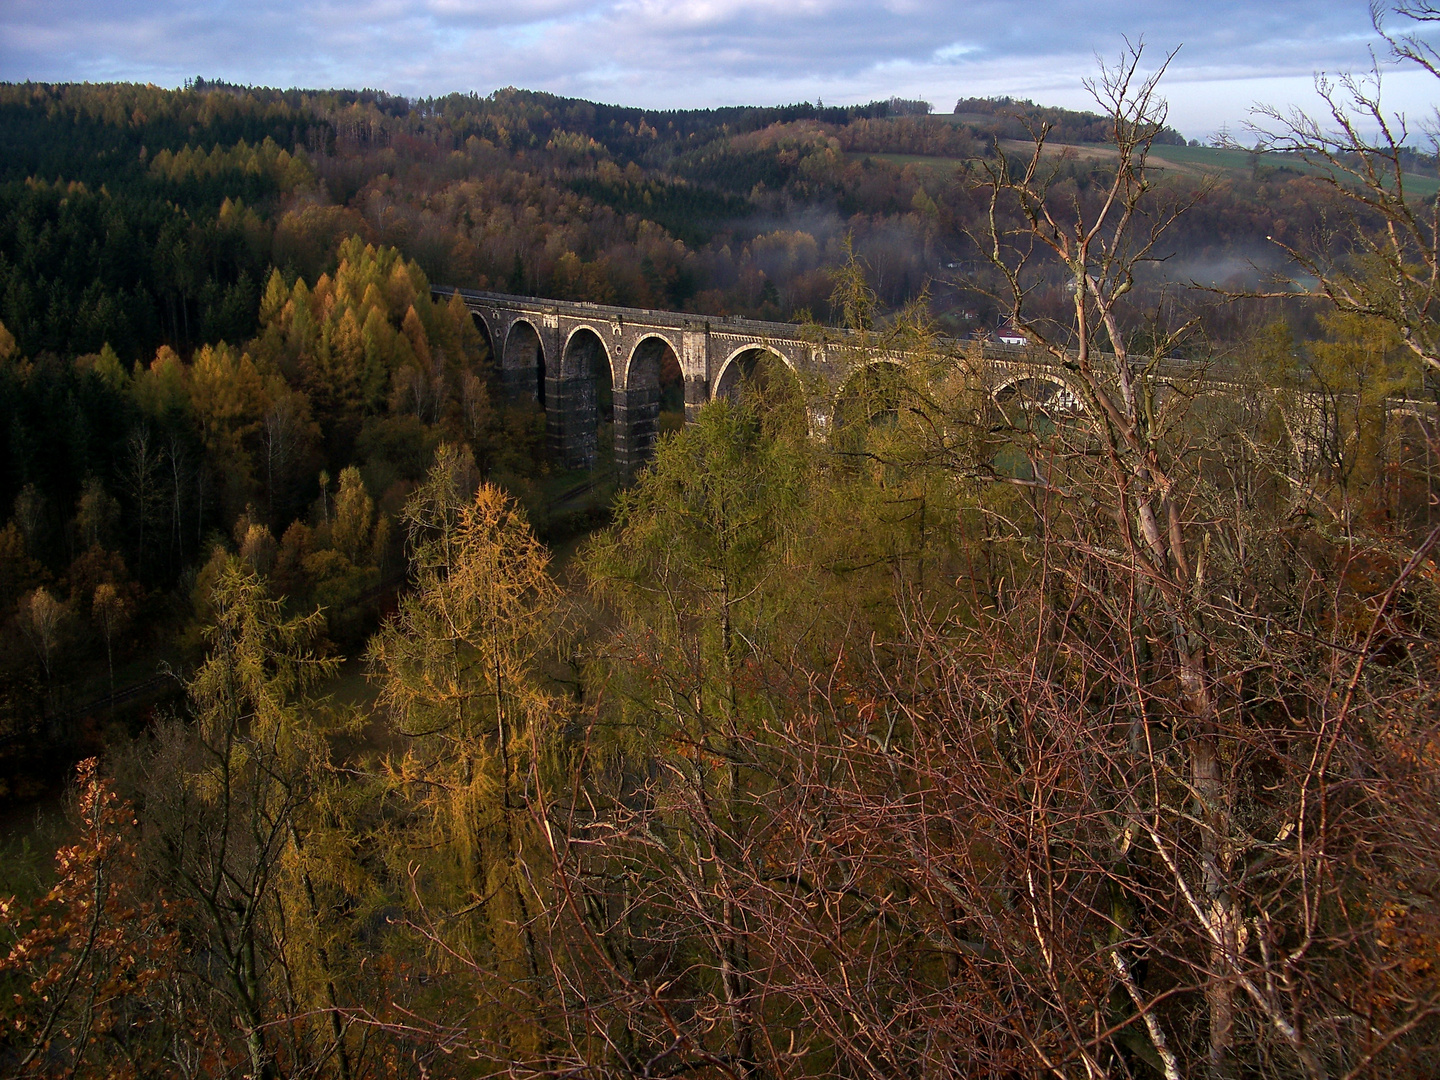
x: 1037, y: 395
x: 653, y: 383
x: 1411, y: 464
x: 583, y: 347
x: 522, y: 364
x: 1423, y: 419
x: 871, y: 396
x: 482, y: 327
x: 580, y: 399
x: 770, y: 375
x: 1035, y: 405
x: 741, y: 364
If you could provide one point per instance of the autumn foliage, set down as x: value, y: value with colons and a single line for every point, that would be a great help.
x: 90, y: 967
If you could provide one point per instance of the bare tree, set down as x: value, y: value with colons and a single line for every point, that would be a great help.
x: 112, y: 609
x: 178, y: 465
x: 1102, y: 241
x: 1385, y: 261
x: 281, y: 436
x: 140, y: 474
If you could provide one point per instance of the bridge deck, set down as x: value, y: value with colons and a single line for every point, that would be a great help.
x: 814, y: 333
x: 678, y: 320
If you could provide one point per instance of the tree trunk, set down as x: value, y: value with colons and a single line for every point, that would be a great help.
x: 1216, y: 860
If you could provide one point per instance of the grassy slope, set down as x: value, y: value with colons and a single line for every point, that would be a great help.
x: 1194, y: 160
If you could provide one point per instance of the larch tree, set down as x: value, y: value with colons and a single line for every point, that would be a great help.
x: 228, y: 808
x: 459, y: 668
x: 697, y: 568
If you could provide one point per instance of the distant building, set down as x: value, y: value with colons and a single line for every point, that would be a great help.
x: 1010, y: 334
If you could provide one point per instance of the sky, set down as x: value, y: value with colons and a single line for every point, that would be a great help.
x: 1233, y: 54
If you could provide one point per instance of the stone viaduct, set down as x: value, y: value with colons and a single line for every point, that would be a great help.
x: 566, y: 355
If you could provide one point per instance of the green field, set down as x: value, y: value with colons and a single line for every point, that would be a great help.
x: 1214, y: 158
x: 1209, y: 158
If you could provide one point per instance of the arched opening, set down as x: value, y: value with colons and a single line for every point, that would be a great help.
x: 1400, y: 473
x: 1033, y: 410
x: 483, y: 329
x: 653, y: 401
x: 1037, y: 404
x: 760, y: 377
x: 522, y: 367
x: 1416, y: 472
x: 478, y: 389
x: 868, y: 403
x: 580, y: 404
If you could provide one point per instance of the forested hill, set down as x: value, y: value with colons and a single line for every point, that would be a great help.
x: 1018, y: 118
x: 138, y: 216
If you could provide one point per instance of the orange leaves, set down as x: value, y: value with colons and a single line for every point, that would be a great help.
x: 85, y: 958
x: 1407, y: 939
x: 415, y: 332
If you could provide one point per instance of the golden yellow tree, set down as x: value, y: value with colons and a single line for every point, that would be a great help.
x: 231, y: 805
x: 458, y: 673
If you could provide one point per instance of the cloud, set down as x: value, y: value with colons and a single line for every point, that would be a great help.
x: 666, y: 53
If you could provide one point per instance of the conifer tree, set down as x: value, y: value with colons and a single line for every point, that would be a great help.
x: 458, y: 668
x: 228, y: 804
x: 697, y: 565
